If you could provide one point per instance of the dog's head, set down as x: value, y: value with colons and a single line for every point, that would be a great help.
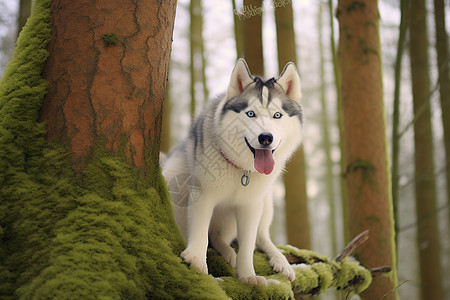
x: 260, y: 121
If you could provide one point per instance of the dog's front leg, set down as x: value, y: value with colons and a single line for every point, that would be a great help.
x: 276, y: 259
x: 248, y: 217
x: 199, y: 217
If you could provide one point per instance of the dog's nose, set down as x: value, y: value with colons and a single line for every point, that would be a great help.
x: 265, y: 139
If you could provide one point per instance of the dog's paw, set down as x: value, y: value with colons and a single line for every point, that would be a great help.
x: 254, y: 280
x: 281, y: 265
x: 195, y: 261
x: 230, y: 257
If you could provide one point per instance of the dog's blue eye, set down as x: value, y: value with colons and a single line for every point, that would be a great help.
x: 277, y: 115
x: 250, y: 114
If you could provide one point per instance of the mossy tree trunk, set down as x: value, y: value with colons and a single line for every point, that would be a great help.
x: 365, y: 144
x: 443, y: 57
x: 425, y: 185
x: 253, y: 43
x: 297, y: 220
x: 107, y: 74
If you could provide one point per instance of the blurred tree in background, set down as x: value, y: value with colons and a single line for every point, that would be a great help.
x: 297, y: 220
x: 425, y: 184
x: 365, y: 143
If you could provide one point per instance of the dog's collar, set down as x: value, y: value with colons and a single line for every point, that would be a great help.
x: 229, y: 161
x: 245, y: 180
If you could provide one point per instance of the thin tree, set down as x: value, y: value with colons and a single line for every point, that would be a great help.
x: 443, y: 62
x: 425, y: 185
x: 297, y: 220
x: 238, y: 30
x: 365, y: 143
x: 24, y: 14
x: 404, y: 23
x: 197, y: 54
x: 166, y: 122
x: 253, y: 43
x: 326, y: 137
x: 337, y: 80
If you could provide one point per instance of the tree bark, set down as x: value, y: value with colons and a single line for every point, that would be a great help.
x: 365, y: 144
x: 297, y: 220
x: 108, y: 90
x: 425, y: 186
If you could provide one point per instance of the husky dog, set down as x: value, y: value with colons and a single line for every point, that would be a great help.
x: 221, y: 177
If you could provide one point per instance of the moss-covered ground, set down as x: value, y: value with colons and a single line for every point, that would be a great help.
x: 107, y: 232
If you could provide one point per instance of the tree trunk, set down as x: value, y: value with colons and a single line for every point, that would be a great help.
x: 297, y: 220
x: 253, y: 44
x: 107, y: 76
x: 443, y: 57
x: 24, y: 13
x: 404, y: 23
x: 326, y: 139
x: 238, y: 31
x: 425, y: 186
x: 365, y: 144
x: 337, y: 83
x: 166, y: 122
x: 197, y: 55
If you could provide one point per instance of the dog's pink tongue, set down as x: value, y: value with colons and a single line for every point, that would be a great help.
x: 264, y: 161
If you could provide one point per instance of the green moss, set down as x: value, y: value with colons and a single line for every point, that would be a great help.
x: 217, y: 266
x: 352, y: 276
x: 315, y: 274
x: 117, y: 243
x: 367, y: 171
x: 278, y: 288
x: 261, y: 263
x: 110, y: 39
x: 325, y: 272
x: 356, y: 6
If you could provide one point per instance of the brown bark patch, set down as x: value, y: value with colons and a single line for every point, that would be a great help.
x: 99, y: 90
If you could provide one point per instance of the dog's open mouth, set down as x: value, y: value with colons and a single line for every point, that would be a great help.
x: 264, y: 162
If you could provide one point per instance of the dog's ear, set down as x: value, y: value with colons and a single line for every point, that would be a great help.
x: 289, y: 80
x: 240, y: 78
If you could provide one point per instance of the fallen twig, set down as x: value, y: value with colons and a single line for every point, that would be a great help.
x: 355, y: 243
x: 380, y: 270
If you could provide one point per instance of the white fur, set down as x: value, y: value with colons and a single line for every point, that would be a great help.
x: 219, y: 206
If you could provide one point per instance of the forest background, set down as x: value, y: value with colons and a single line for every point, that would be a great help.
x: 218, y: 43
